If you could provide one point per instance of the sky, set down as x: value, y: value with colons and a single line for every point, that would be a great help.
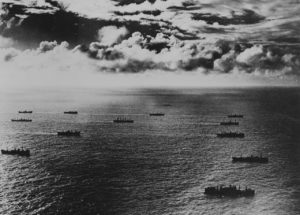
x: 149, y: 43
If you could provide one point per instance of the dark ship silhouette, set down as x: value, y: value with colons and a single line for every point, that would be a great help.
x: 230, y: 191
x: 20, y: 152
x: 231, y: 135
x: 235, y: 116
x: 25, y: 111
x: 69, y: 133
x: 71, y: 112
x: 251, y: 159
x: 229, y: 123
x: 156, y: 114
x: 123, y: 120
x: 21, y: 120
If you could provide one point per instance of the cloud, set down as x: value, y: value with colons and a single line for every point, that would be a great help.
x: 31, y: 28
x: 111, y: 34
x: 5, y: 42
x: 7, y: 54
x: 226, y: 63
x: 56, y: 64
x: 133, y: 55
x: 206, y: 37
x: 237, y: 18
x: 251, y: 55
x: 48, y: 46
x: 127, y: 2
x: 245, y: 17
x: 146, y: 12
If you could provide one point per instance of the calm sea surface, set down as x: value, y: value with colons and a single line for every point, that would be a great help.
x: 157, y: 165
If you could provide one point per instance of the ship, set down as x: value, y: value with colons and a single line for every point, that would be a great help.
x: 235, y: 116
x: 230, y: 191
x: 231, y: 135
x: 71, y: 112
x: 229, y: 123
x: 251, y: 159
x: 21, y: 120
x: 69, y: 133
x: 25, y: 111
x: 156, y: 114
x: 123, y: 120
x: 20, y: 152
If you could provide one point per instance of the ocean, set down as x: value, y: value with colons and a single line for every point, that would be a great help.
x: 156, y: 165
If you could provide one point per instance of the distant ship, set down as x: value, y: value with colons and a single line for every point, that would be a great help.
x: 20, y: 152
x: 156, y: 114
x: 21, y: 120
x: 167, y: 105
x: 235, y: 116
x: 231, y: 135
x: 25, y: 111
x: 229, y: 123
x: 123, y: 120
x: 230, y: 191
x: 251, y: 159
x: 69, y: 133
x: 71, y: 112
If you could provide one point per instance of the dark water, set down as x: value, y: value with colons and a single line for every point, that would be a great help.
x: 158, y: 165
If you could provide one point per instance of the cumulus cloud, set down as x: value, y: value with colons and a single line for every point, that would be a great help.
x: 111, y: 34
x: 226, y: 63
x: 251, y: 55
x: 48, y: 46
x: 133, y: 55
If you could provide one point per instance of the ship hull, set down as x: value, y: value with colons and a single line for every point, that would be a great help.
x: 70, y: 112
x: 228, y: 192
x: 227, y: 124
x: 249, y: 160
x: 25, y: 112
x: 232, y: 195
x: 230, y: 136
x: 129, y: 121
x: 13, y: 120
x: 68, y: 134
x: 20, y: 153
x: 235, y: 116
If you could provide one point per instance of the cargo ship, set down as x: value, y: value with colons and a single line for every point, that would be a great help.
x: 229, y: 123
x: 21, y: 120
x: 235, y: 116
x: 230, y: 191
x: 156, y: 114
x: 69, y: 133
x: 25, y: 111
x: 71, y: 112
x: 123, y: 120
x: 231, y: 135
x: 20, y: 152
x: 251, y: 159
